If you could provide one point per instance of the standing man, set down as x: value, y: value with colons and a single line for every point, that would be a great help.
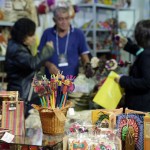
x: 69, y: 45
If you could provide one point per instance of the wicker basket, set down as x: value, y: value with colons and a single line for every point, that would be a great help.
x: 50, y: 123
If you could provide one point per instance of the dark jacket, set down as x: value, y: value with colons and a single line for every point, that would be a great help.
x: 137, y: 84
x: 21, y: 66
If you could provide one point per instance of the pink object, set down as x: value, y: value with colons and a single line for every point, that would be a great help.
x: 50, y: 2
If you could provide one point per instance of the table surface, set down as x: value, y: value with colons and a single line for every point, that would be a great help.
x: 35, y: 137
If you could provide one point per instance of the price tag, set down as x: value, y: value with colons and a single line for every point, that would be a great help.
x: 12, y: 106
x: 7, y: 137
x: 71, y: 111
x: 59, y: 115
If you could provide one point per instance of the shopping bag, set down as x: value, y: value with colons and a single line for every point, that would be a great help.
x: 110, y: 92
x: 9, y: 95
x: 13, y: 117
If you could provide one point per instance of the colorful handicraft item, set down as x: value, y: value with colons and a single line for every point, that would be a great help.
x: 53, y: 93
x: 134, y: 122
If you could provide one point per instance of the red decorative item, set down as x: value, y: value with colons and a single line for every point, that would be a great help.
x: 4, y: 146
x: 42, y: 8
x: 29, y: 148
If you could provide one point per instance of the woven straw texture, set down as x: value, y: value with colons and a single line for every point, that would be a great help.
x: 51, y: 124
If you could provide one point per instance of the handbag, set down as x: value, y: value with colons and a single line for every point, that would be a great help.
x: 13, y: 117
x: 110, y: 93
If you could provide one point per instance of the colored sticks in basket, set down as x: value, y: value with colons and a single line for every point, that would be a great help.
x: 53, y: 93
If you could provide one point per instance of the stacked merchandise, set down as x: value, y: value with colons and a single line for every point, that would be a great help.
x: 94, y: 133
x: 81, y: 95
x: 80, y: 100
x: 130, y: 127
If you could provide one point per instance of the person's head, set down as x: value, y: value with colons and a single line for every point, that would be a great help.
x: 23, y: 31
x: 61, y: 18
x: 142, y: 33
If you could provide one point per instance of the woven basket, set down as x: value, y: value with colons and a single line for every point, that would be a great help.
x: 50, y: 123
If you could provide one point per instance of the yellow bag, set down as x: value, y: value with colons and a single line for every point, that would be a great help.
x: 110, y: 93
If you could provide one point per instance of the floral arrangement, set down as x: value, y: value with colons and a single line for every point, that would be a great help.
x: 99, y: 68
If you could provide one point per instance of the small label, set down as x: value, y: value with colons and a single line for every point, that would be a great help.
x: 7, y: 137
x: 78, y: 145
x: 12, y: 106
x: 71, y: 111
x: 63, y: 64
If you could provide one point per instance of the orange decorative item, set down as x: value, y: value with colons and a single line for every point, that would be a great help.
x: 1, y: 15
x: 29, y: 148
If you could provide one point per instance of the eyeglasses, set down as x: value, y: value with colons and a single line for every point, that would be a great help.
x: 63, y: 19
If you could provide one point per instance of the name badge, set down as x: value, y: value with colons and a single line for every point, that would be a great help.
x: 62, y: 60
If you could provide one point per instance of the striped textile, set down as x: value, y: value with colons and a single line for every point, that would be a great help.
x: 13, y: 117
x: 9, y: 95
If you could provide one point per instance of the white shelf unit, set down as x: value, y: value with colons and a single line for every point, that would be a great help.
x: 3, y: 84
x: 93, y: 12
x: 97, y: 10
x: 6, y: 23
x: 128, y: 15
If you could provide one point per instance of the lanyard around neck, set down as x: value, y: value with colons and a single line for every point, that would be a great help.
x: 57, y: 43
x: 139, y: 51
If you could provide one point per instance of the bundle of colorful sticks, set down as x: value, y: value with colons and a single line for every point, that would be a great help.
x: 53, y: 93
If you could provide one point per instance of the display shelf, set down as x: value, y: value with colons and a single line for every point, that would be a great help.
x: 3, y: 84
x: 129, y: 18
x: 97, y: 5
x: 127, y: 15
x: 93, y: 15
x: 102, y: 30
x: 103, y: 51
x: 95, y: 28
x: 6, y: 23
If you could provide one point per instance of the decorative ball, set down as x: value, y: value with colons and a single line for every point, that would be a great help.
x: 42, y: 8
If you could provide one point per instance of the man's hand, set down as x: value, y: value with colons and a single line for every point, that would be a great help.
x: 52, y: 68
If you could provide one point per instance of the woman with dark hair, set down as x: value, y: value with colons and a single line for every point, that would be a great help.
x: 137, y: 84
x: 20, y: 65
